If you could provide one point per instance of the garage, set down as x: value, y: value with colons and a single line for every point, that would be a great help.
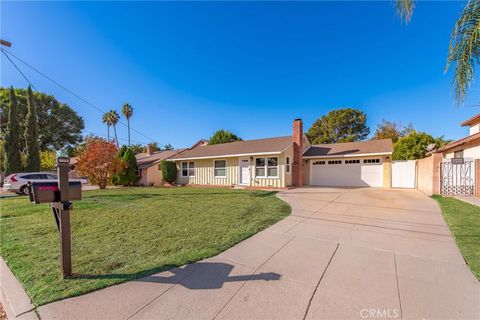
x: 350, y: 164
x: 347, y: 173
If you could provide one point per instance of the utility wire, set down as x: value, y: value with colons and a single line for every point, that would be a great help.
x: 119, y: 138
x: 6, y: 52
x: 20, y: 71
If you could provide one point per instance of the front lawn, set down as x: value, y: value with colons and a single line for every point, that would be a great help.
x: 123, y: 234
x: 463, y: 220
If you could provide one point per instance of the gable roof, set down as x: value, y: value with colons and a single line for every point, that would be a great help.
x: 237, y: 148
x: 144, y: 160
x: 472, y: 121
x: 351, y: 149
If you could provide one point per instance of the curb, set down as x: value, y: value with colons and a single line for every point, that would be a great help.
x: 15, y: 300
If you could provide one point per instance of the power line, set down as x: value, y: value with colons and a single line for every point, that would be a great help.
x: 119, y: 138
x: 6, y: 52
x: 20, y: 71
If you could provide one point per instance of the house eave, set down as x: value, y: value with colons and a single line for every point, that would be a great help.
x: 349, y: 155
x: 226, y: 156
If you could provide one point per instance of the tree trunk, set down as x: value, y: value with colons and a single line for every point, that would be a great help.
x: 128, y: 124
x: 115, y: 131
x: 108, y: 133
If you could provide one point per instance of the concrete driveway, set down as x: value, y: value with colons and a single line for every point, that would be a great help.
x: 342, y: 254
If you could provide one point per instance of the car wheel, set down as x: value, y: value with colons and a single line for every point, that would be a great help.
x: 25, y: 190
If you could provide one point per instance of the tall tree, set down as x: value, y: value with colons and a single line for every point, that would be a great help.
x: 12, y: 137
x: 414, y: 145
x: 223, y: 136
x: 114, y: 118
x: 106, y: 121
x: 59, y: 126
x: 32, y: 150
x: 391, y: 130
x: 168, y: 146
x: 464, y: 49
x: 127, y: 111
x: 341, y: 125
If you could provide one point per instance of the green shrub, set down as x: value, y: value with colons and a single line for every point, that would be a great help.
x: 128, y: 176
x: 169, y: 171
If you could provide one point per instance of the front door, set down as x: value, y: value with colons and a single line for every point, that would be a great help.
x: 244, y: 171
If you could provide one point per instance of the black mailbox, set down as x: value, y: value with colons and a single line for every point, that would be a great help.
x: 46, y: 192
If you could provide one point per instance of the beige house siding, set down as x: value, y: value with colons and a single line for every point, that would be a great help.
x: 151, y: 176
x: 387, y: 174
x: 288, y: 176
x: 470, y: 150
x: 204, y: 172
x: 306, y: 172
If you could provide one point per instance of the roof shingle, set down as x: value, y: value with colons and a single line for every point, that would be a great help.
x: 268, y: 145
x: 350, y: 148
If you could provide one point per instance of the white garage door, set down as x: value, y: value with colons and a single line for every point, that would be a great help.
x: 347, y: 173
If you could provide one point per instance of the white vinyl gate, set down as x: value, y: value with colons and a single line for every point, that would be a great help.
x: 404, y: 174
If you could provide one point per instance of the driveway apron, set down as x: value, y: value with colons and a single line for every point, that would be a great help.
x: 342, y: 254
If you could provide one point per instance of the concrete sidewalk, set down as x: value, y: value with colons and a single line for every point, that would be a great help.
x: 342, y: 254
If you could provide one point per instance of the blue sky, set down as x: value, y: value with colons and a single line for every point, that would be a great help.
x: 249, y: 67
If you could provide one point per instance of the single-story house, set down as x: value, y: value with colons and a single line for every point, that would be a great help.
x: 467, y: 147
x: 289, y: 161
x: 148, y: 166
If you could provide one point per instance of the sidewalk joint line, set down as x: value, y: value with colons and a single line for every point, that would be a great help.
x: 318, y: 283
x: 245, y: 282
x: 398, y: 285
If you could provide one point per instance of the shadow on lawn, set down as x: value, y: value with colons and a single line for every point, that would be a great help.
x: 129, y: 197
x: 209, y: 275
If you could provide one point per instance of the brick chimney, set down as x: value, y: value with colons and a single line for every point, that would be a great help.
x: 297, y: 165
x: 149, y: 149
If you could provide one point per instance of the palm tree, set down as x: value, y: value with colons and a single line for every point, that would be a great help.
x: 127, y: 112
x: 114, y: 118
x: 464, y: 49
x: 106, y: 120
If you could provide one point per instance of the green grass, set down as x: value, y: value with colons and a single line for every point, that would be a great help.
x: 123, y: 234
x: 463, y: 220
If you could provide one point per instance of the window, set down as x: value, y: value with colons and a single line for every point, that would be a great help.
x: 266, y: 167
x: 52, y: 176
x: 316, y: 163
x: 188, y: 169
x: 352, y: 161
x: 287, y: 167
x: 458, y: 154
x: 371, y: 160
x: 334, y: 161
x: 220, y: 168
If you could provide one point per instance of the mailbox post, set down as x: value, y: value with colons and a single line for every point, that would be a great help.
x: 59, y: 194
x: 62, y: 211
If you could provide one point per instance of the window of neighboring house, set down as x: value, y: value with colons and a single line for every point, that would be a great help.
x: 371, y: 160
x: 287, y: 167
x: 458, y: 154
x: 188, y: 169
x: 266, y: 167
x: 334, y: 161
x: 317, y: 163
x: 220, y: 168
